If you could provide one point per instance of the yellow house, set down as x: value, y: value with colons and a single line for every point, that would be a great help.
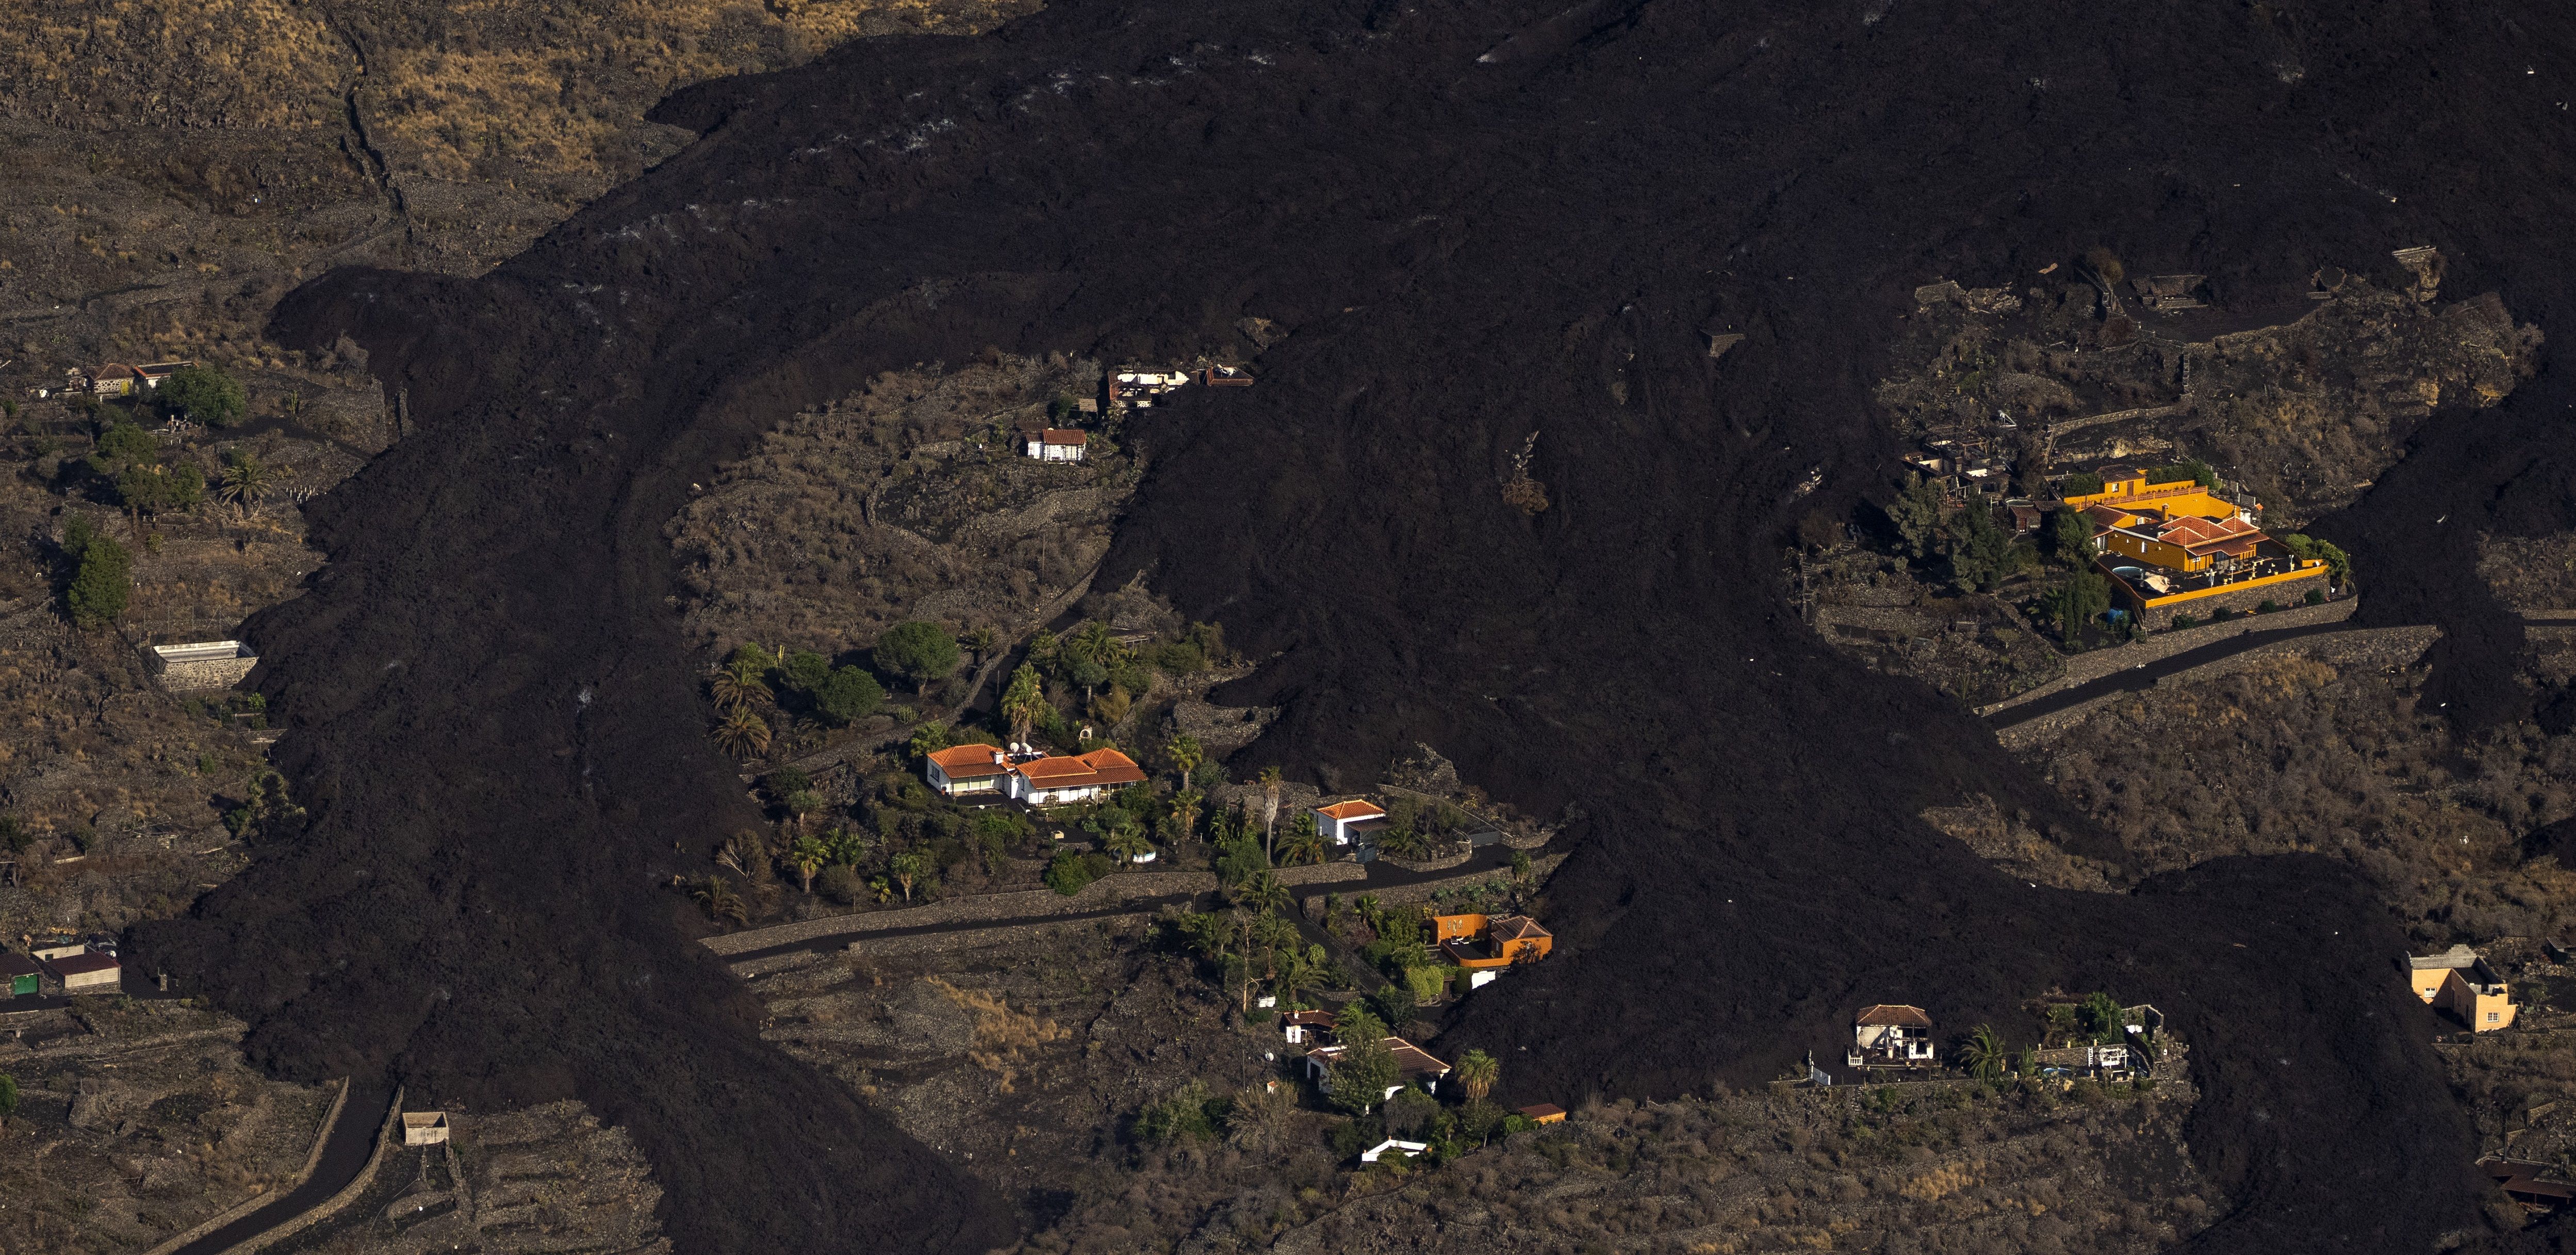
x: 2460, y: 982
x: 2167, y: 545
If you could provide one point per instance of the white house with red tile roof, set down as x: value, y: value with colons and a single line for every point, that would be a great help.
x: 1344, y: 822
x: 1055, y: 781
x: 968, y: 770
x: 1412, y: 1063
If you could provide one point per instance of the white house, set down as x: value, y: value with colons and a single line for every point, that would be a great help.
x: 1892, y: 1035
x: 968, y: 770
x: 1139, y: 388
x: 1344, y: 822
x: 1057, y: 444
x: 1391, y: 1144
x: 1412, y: 1063
x: 1058, y: 780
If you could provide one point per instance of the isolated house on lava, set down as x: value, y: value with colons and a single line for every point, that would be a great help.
x: 1892, y: 1036
x: 2460, y: 982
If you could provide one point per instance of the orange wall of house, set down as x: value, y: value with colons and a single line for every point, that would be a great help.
x: 1453, y: 927
x: 1511, y: 950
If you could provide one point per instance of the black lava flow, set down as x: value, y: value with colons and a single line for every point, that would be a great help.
x: 1475, y: 221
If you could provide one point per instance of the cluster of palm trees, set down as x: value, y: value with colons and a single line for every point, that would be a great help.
x: 740, y: 687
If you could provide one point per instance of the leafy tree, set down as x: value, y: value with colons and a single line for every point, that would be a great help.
x: 99, y: 588
x: 849, y: 694
x: 804, y: 804
x: 1238, y: 861
x: 1395, y: 1001
x: 2074, y: 603
x: 151, y: 489
x: 2081, y: 484
x: 2103, y: 267
x: 78, y: 532
x: 907, y: 868
x: 1984, y: 1054
x: 1477, y: 1072
x: 1361, y: 1075
x: 1127, y: 841
x: 1357, y: 1024
x: 2193, y: 469
x: 1187, y: 1114
x: 805, y: 671
x: 2306, y: 548
x: 929, y: 738
x: 1916, y: 512
x: 1981, y: 552
x: 917, y: 651
x: 122, y: 445
x: 2099, y: 1017
x: 2070, y: 537
x: 1024, y: 703
x: 743, y: 734
x: 203, y: 394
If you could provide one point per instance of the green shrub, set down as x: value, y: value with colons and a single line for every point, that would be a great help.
x: 840, y: 882
x: 2185, y: 621
x: 1189, y: 1113
x: 203, y: 394
x: 1350, y: 1137
x: 1427, y: 982
x: 98, y: 591
x: 1068, y: 872
x: 2315, y: 597
x: 848, y: 694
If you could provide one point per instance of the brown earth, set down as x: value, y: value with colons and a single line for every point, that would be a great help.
x: 137, y: 1122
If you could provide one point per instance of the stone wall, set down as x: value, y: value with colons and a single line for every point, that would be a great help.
x: 2087, y: 667
x: 1105, y: 893
x: 2247, y: 601
x: 214, y: 673
x: 2371, y: 647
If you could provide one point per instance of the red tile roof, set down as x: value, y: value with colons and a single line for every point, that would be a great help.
x: 1099, y: 767
x: 1063, y: 435
x: 1893, y: 1014
x: 965, y: 761
x: 1356, y: 808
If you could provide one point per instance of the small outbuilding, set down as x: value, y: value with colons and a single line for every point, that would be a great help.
x: 1057, y: 444
x: 424, y: 1128
x: 202, y: 665
x: 1300, y: 1027
x: 89, y: 973
x: 1342, y: 823
x: 1374, y: 1153
x: 1542, y: 1113
x: 20, y: 976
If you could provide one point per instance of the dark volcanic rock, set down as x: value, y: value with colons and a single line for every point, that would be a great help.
x: 1471, y: 222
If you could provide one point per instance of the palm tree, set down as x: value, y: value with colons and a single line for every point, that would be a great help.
x: 1263, y: 891
x: 981, y: 640
x: 804, y: 804
x: 245, y: 480
x: 1476, y: 1074
x: 742, y: 734
x: 1186, y: 754
x: 1299, y: 969
x: 721, y: 902
x: 1984, y: 1054
x: 1128, y: 842
x: 1024, y: 703
x: 907, y: 868
x: 740, y: 684
x: 1185, y: 812
x: 1270, y: 812
x: 1304, y: 844
x: 808, y: 856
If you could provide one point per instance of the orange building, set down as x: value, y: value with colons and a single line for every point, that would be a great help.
x: 2460, y: 982
x: 1484, y: 945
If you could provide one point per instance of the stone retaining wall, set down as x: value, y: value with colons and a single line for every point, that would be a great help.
x: 2378, y: 647
x: 1541, y: 868
x: 2085, y: 668
x: 198, y: 677
x: 1106, y: 892
x: 312, y: 1160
